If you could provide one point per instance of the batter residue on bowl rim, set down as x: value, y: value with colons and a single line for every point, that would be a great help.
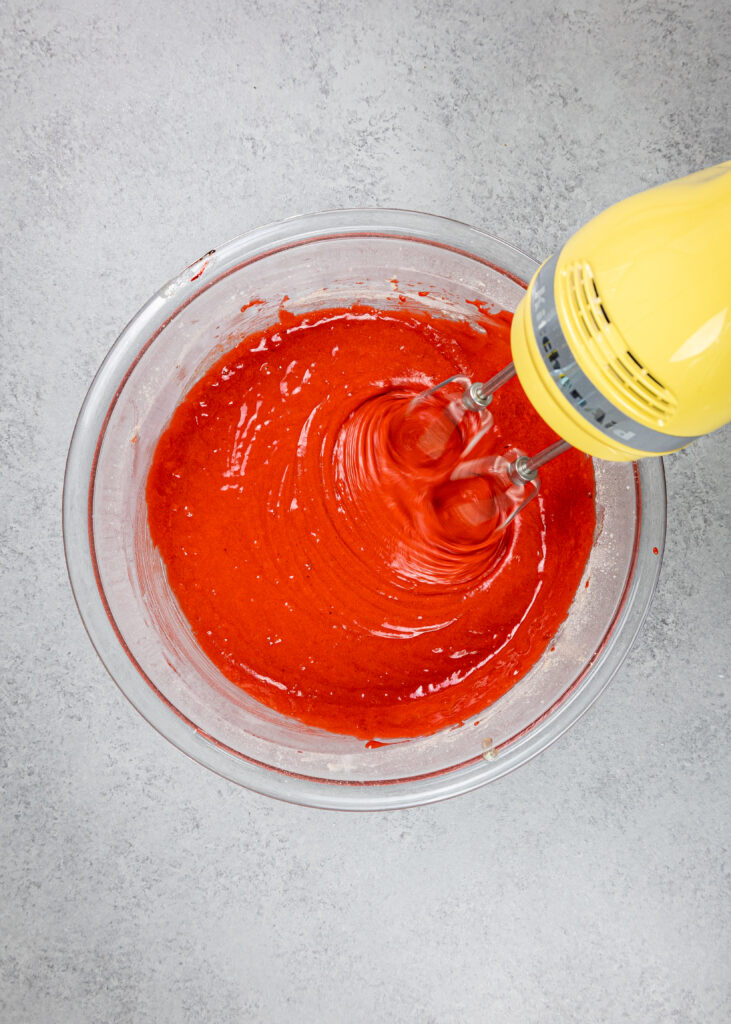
x: 307, y: 558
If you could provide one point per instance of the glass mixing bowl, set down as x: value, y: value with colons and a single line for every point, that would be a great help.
x: 380, y: 257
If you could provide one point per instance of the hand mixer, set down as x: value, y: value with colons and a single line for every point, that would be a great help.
x: 622, y: 342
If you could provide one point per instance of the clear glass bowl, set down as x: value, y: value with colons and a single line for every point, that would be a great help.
x: 133, y: 621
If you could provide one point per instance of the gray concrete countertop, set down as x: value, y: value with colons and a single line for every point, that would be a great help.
x: 589, y: 886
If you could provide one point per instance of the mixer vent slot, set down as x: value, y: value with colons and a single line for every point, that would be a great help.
x: 605, y: 349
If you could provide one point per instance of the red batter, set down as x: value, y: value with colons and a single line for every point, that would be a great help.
x: 316, y: 571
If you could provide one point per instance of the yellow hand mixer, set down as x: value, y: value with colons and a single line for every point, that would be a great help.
x: 622, y: 342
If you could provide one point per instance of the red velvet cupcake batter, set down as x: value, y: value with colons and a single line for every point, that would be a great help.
x: 310, y: 562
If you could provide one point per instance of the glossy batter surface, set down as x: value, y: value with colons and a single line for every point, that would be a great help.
x: 313, y: 557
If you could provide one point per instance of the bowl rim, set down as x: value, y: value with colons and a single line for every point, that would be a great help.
x: 107, y: 640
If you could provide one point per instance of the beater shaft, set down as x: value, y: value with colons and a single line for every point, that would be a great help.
x: 483, y: 392
x: 526, y: 467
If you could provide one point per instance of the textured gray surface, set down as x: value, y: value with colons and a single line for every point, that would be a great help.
x: 592, y: 885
